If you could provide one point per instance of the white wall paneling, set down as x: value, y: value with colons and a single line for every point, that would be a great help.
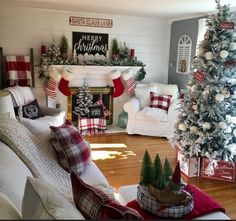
x: 24, y: 28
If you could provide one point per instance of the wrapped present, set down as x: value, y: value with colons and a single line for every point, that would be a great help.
x: 220, y: 170
x: 190, y: 167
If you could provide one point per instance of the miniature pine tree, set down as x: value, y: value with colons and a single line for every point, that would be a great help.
x: 168, y: 172
x: 147, y: 170
x: 53, y: 54
x: 83, y: 100
x: 207, y: 122
x: 64, y: 46
x: 158, y: 173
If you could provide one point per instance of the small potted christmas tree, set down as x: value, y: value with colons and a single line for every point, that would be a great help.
x: 115, y: 51
x: 160, y: 191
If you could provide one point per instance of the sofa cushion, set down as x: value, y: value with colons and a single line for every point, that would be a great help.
x: 13, y: 174
x: 160, y: 101
x: 152, y: 114
x: 95, y: 204
x: 42, y: 201
x: 71, y: 147
x: 31, y: 110
x: 142, y: 92
x: 7, y: 209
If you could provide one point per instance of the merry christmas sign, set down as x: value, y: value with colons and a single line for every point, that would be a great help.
x: 91, y: 43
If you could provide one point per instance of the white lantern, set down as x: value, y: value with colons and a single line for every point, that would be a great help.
x: 224, y: 54
x: 219, y: 98
x: 209, y: 55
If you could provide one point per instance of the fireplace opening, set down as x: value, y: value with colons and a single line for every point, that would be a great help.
x: 105, y: 93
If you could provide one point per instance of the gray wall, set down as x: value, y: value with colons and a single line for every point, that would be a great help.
x: 178, y: 28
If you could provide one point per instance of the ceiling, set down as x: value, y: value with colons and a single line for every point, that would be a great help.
x: 151, y: 8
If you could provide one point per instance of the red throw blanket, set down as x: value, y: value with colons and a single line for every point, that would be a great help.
x: 203, y: 204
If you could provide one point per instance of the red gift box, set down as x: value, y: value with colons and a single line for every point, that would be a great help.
x: 190, y: 167
x: 220, y: 170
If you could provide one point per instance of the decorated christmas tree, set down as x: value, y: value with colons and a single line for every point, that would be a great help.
x: 83, y: 101
x: 53, y: 54
x: 207, y: 122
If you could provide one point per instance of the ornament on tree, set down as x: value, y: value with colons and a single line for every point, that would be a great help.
x: 232, y: 46
x: 223, y: 125
x: 194, y: 129
x: 199, y: 76
x: 194, y: 107
x: 66, y: 76
x: 182, y: 127
x: 224, y: 54
x: 225, y: 92
x: 209, y: 55
x: 52, y: 82
x: 118, y: 85
x: 219, y: 98
x: 206, y: 126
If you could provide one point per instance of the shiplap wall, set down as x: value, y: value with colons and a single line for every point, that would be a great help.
x: 23, y: 28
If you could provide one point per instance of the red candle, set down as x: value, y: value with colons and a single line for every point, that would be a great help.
x: 131, y: 53
x: 43, y: 49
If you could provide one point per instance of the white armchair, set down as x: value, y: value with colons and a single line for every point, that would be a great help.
x: 145, y: 120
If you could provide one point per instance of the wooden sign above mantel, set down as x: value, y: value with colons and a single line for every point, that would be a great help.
x: 90, y: 22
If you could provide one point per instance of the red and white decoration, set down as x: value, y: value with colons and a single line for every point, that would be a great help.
x: 226, y: 25
x: 54, y: 78
x: 91, y: 126
x: 220, y: 170
x: 18, y: 70
x: 199, y: 76
x: 160, y: 101
x: 66, y: 76
x: 129, y: 82
x: 118, y: 85
x: 189, y: 167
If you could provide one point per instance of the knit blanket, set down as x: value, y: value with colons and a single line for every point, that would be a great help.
x: 35, y: 155
x: 22, y: 95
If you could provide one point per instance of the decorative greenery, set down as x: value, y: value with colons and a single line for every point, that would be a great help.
x: 54, y: 57
x: 206, y: 125
x: 64, y: 46
x: 147, y: 171
x: 168, y: 172
x: 115, y: 46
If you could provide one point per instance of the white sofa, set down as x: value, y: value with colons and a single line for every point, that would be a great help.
x: 18, y: 199
x: 145, y: 120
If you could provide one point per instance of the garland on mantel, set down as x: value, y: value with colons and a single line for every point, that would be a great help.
x: 54, y: 57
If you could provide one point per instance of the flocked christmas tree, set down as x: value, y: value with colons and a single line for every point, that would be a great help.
x: 207, y: 122
x: 54, y: 54
x: 84, y: 99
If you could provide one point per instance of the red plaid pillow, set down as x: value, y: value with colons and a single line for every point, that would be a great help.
x: 71, y: 147
x: 100, y: 103
x: 160, y: 101
x: 94, y: 204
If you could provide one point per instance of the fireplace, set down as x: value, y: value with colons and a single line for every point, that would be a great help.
x: 105, y: 93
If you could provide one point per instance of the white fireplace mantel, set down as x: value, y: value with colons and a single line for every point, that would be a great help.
x: 96, y: 76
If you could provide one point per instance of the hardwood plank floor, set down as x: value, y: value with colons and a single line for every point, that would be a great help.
x: 121, y: 165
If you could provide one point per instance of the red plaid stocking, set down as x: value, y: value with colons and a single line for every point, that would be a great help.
x: 118, y: 85
x: 64, y: 83
x: 51, y: 87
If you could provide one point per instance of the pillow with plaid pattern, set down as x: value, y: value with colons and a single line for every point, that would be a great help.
x: 94, y: 204
x: 99, y: 102
x: 73, y: 151
x: 160, y: 101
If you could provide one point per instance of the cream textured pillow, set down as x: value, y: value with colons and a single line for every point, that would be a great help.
x: 42, y: 201
x: 7, y: 209
x: 142, y: 92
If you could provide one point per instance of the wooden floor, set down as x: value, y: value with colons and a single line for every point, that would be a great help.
x: 121, y: 165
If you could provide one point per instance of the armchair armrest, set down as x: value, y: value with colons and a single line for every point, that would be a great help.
x: 173, y: 110
x: 52, y: 111
x: 132, y: 106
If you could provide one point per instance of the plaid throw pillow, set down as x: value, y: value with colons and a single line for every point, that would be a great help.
x: 94, y: 204
x: 100, y: 103
x: 160, y: 101
x: 73, y: 152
